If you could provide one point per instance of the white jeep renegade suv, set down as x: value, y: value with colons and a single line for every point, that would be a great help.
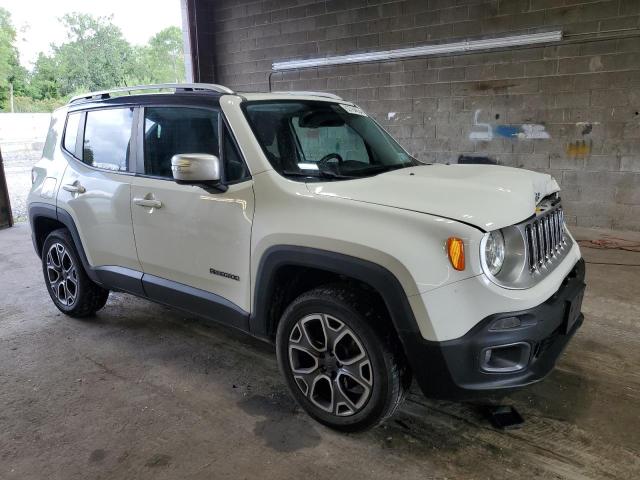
x: 296, y: 218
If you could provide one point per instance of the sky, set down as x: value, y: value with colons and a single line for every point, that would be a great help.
x: 138, y: 19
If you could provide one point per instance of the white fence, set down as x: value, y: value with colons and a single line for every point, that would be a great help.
x: 23, y: 131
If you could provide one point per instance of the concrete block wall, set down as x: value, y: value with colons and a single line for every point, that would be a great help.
x: 571, y: 109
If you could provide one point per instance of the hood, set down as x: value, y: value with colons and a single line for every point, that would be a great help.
x: 486, y: 196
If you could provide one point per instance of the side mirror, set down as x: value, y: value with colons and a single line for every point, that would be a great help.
x: 196, y: 168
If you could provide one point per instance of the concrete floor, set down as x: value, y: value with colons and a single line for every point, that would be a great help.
x: 142, y: 391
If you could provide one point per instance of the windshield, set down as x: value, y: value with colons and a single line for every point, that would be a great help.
x: 311, y: 140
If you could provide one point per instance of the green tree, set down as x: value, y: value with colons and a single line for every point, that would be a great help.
x: 7, y: 48
x: 162, y: 60
x: 11, y: 72
x: 166, y: 55
x: 43, y: 93
x: 45, y: 80
x: 95, y: 56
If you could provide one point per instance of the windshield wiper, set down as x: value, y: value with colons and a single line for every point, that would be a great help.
x: 318, y: 174
x: 377, y: 169
x: 360, y: 173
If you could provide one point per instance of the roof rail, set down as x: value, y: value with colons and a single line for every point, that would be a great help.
x: 313, y: 94
x: 104, y: 94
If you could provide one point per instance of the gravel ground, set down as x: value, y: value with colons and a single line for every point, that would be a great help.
x: 17, y: 168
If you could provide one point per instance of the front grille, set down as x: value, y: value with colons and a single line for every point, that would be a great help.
x: 540, y: 244
x: 545, y: 237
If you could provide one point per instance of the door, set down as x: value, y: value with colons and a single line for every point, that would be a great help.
x: 192, y: 235
x: 96, y: 186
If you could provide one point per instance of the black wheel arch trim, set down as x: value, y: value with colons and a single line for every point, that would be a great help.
x: 37, y: 211
x: 45, y: 210
x: 377, y: 277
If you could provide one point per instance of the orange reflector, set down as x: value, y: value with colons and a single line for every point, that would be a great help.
x: 455, y: 249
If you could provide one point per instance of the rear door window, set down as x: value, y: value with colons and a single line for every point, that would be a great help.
x: 107, y: 139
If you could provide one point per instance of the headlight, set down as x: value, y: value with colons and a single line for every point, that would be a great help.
x: 494, y: 252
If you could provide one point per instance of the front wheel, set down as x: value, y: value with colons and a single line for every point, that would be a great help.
x: 340, y: 358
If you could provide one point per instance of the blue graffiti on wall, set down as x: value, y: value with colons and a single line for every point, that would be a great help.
x: 526, y: 131
x: 506, y: 131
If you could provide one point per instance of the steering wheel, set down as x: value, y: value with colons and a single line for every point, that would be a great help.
x: 325, y: 160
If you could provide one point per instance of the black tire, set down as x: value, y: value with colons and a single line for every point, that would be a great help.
x: 388, y: 375
x: 83, y: 300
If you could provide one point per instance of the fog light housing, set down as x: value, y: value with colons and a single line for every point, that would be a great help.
x: 505, y: 358
x: 505, y: 323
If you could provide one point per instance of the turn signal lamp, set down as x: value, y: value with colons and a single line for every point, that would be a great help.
x: 455, y: 249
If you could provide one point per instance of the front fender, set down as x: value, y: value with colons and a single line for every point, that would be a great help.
x: 382, y: 280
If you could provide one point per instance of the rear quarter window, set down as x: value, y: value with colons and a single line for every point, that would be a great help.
x: 71, y: 132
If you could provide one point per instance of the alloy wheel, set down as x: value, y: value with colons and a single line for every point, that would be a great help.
x: 330, y: 365
x: 62, y: 275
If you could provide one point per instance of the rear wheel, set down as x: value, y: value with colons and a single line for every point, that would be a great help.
x: 340, y: 359
x: 71, y: 290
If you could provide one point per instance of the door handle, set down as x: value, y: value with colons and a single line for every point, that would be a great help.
x: 74, y: 188
x: 145, y: 202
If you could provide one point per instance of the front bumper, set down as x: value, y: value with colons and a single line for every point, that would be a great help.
x: 457, y: 369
